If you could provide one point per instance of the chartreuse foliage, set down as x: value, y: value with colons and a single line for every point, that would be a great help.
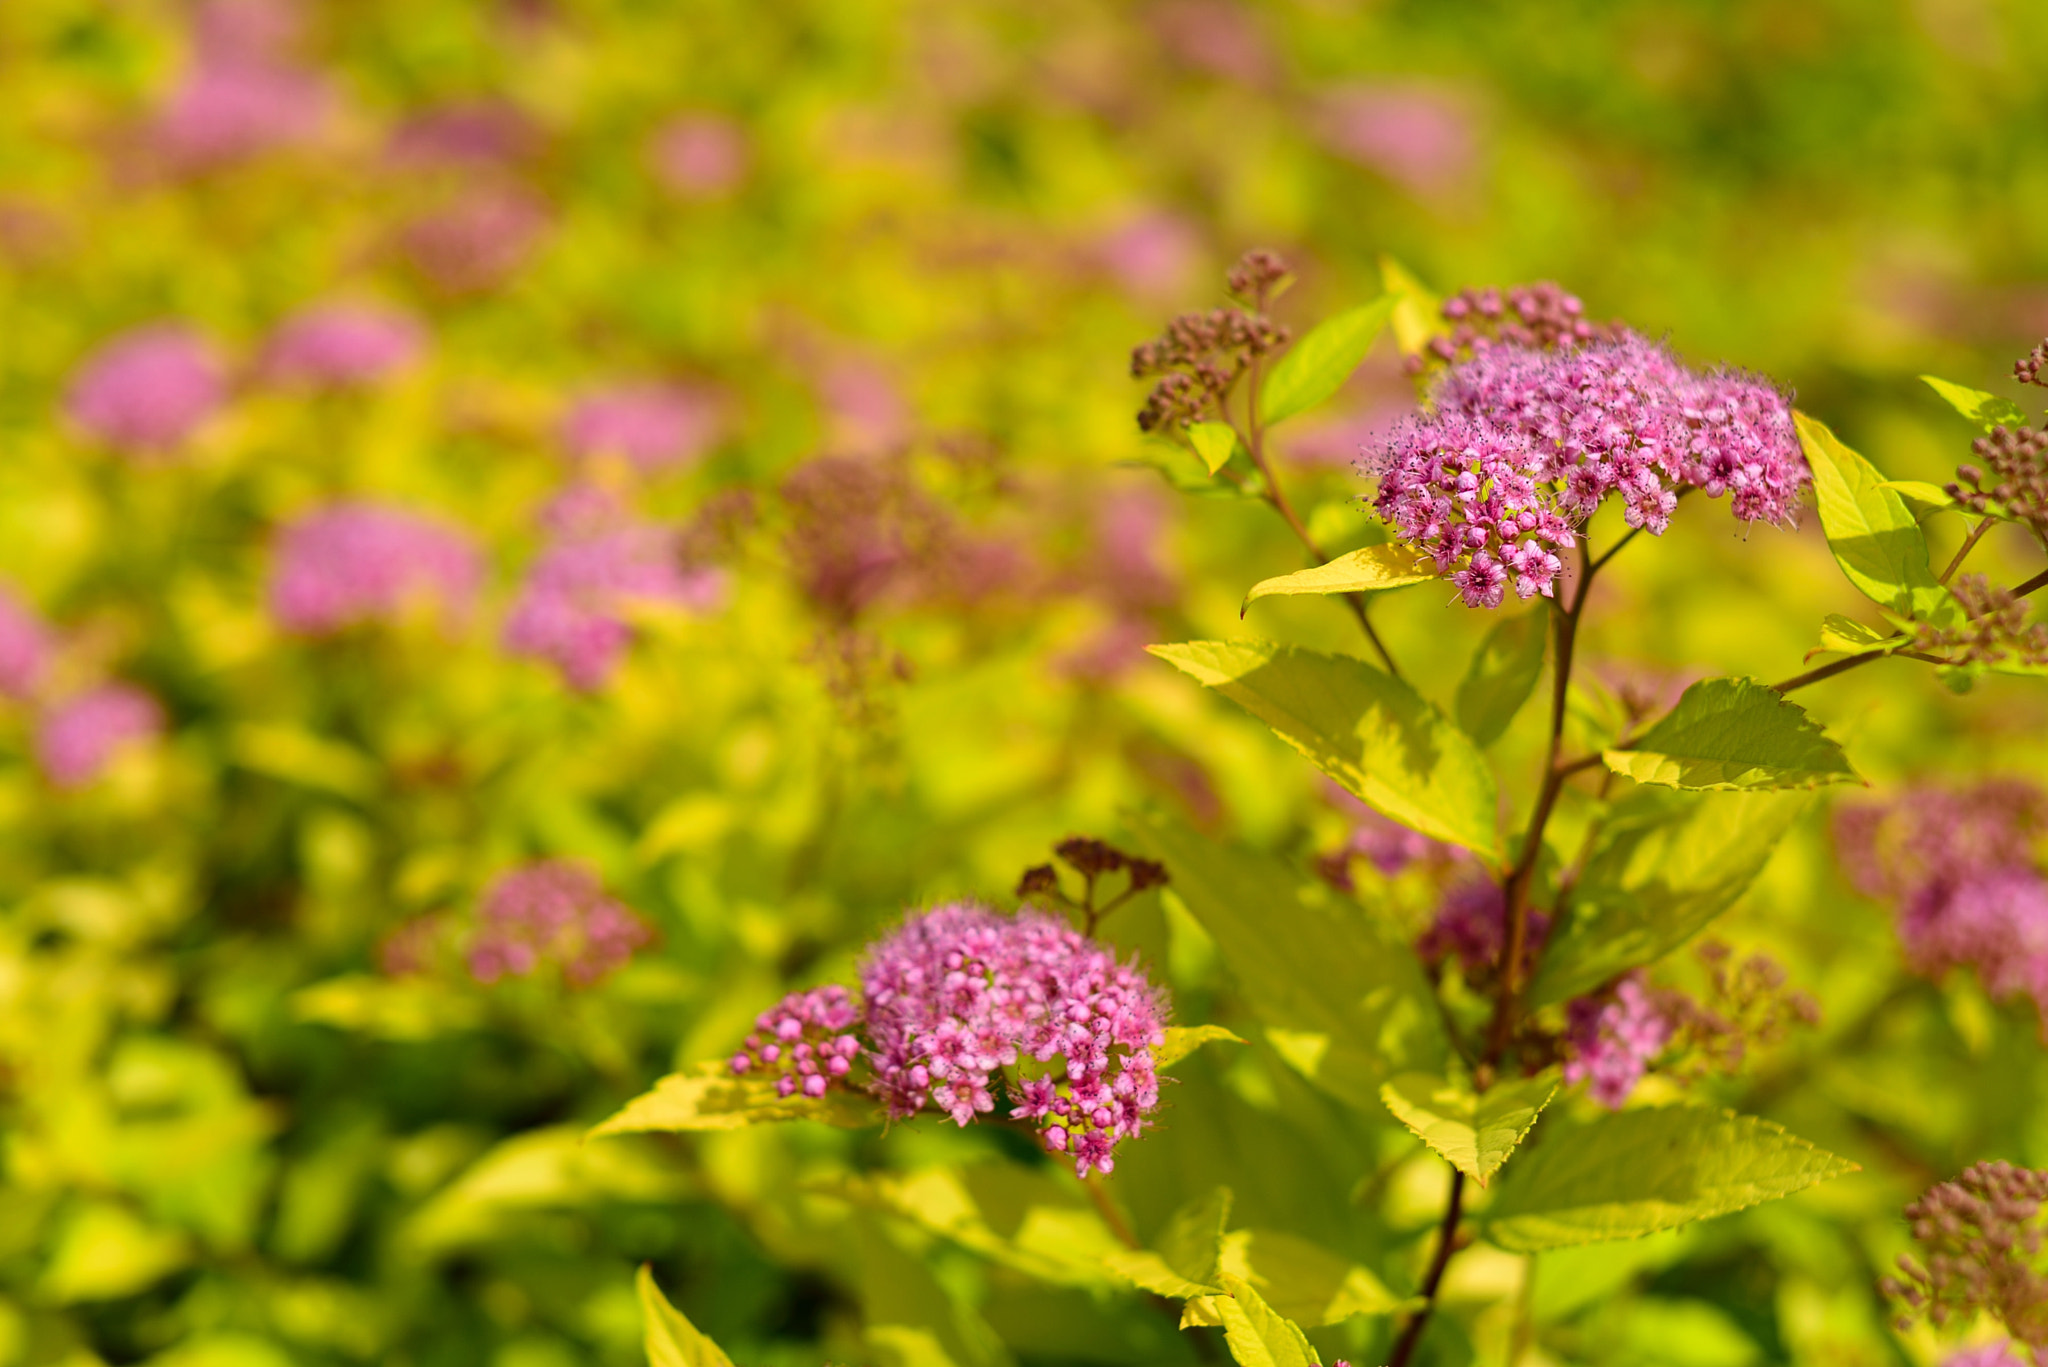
x: 1365, y: 570
x: 1257, y: 1334
x: 1985, y: 410
x: 1875, y: 539
x: 1502, y: 675
x: 1474, y: 1131
x: 1661, y: 867
x: 1363, y: 727
x: 1313, y: 368
x: 1214, y: 442
x: 672, y: 1341
x: 1733, y: 735
x: 1635, y: 1172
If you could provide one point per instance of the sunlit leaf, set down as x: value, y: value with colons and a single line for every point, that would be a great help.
x: 1502, y: 675
x: 1734, y: 734
x: 1360, y: 571
x: 1257, y: 1334
x: 1474, y: 1131
x: 1846, y: 636
x: 1182, y: 1040
x: 1301, y: 1280
x: 1632, y: 1173
x: 1875, y: 539
x: 1214, y: 442
x: 1185, y: 1259
x: 1417, y: 315
x: 1314, y: 367
x: 1366, y: 729
x: 709, y: 1097
x: 672, y: 1341
x: 1986, y: 410
x: 1928, y: 498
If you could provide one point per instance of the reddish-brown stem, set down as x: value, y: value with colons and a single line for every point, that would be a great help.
x: 1447, y: 1243
x: 1963, y: 551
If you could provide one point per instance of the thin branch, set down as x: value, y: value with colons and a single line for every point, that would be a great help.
x: 2038, y: 581
x: 1963, y: 551
x: 1826, y: 671
x: 1615, y: 549
x: 1447, y: 1243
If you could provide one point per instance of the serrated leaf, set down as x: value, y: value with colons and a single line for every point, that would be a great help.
x: 1257, y: 1334
x: 1361, y: 571
x: 1182, y: 1040
x: 709, y: 1097
x: 1417, y: 315
x: 1302, y: 1281
x: 1733, y: 734
x: 672, y: 1341
x: 1502, y: 675
x: 1632, y: 1173
x: 1214, y: 442
x: 1186, y: 1257
x: 1846, y: 636
x: 1314, y: 367
x: 1927, y: 497
x: 1474, y: 1132
x: 1986, y: 410
x: 1342, y: 998
x: 1662, y: 867
x: 1875, y: 539
x: 1366, y: 729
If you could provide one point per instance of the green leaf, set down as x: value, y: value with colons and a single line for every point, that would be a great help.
x: 1662, y: 867
x: 1632, y: 1173
x: 1301, y: 1280
x: 1343, y: 999
x: 1418, y: 314
x: 1874, y: 538
x: 1026, y: 1219
x: 1503, y: 673
x: 1986, y: 410
x: 1182, y: 1040
x: 1257, y: 1334
x: 1846, y: 636
x: 1315, y: 366
x: 1475, y: 1132
x: 1186, y: 1257
x: 1366, y: 729
x: 1733, y: 734
x: 672, y: 1341
x: 1214, y: 443
x: 709, y: 1097
x: 1360, y: 571
x: 1930, y: 498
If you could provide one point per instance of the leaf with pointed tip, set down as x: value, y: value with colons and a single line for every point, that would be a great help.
x: 1630, y: 1173
x: 1361, y: 571
x: 1303, y: 1281
x: 672, y: 1341
x: 1344, y: 1001
x: 1185, y: 1258
x: 1021, y: 1218
x: 1182, y: 1040
x: 1503, y: 674
x: 1663, y: 865
x: 1733, y: 734
x: 1875, y: 540
x: 1925, y: 497
x: 709, y: 1097
x: 1418, y: 314
x: 1474, y: 1132
x: 1845, y: 636
x: 1314, y: 367
x: 1214, y: 443
x: 1257, y: 1334
x: 1986, y: 410
x: 1366, y: 729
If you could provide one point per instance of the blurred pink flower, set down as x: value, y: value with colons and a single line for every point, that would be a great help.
x: 486, y: 132
x: 1337, y: 440
x: 699, y: 156
x: 78, y: 738
x: 1420, y: 136
x: 247, y: 30
x: 865, y: 411
x: 653, y: 425
x: 553, y: 912
x: 1220, y: 37
x: 342, y: 345
x: 479, y: 241
x: 350, y: 563
x: 243, y: 94
x: 1151, y: 255
x: 24, y: 646
x: 148, y: 389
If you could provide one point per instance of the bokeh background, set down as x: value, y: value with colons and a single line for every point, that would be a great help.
x: 805, y: 326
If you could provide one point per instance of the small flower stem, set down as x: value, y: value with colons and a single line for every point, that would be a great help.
x: 1963, y: 551
x: 1447, y: 1243
x: 1826, y: 671
x: 2038, y: 581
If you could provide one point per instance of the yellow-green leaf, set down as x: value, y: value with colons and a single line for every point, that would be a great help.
x: 1502, y: 675
x: 1315, y: 366
x: 1474, y: 1131
x: 1417, y: 315
x: 1846, y: 636
x: 1365, y: 570
x: 1927, y: 497
x: 1986, y: 410
x: 1734, y: 734
x: 1257, y: 1334
x: 1214, y: 443
x: 1301, y: 1280
x: 1875, y: 540
x: 672, y: 1341
x: 709, y: 1097
x: 1182, y: 1040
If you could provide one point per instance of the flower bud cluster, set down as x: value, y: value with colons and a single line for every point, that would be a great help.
x: 1748, y: 1004
x: 356, y: 562
x: 2017, y: 479
x: 1980, y: 1236
x: 1199, y: 357
x: 1538, y: 316
x: 1964, y: 868
x: 2027, y: 369
x: 553, y: 912
x: 805, y: 1042
x: 1997, y: 628
x: 1471, y: 926
x: 1612, y: 1038
x: 957, y: 995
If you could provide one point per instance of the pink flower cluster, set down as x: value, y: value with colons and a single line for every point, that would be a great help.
x: 1471, y: 926
x: 342, y: 345
x: 79, y: 737
x: 804, y: 1042
x: 1965, y: 868
x: 654, y: 426
x: 1612, y: 1042
x: 553, y: 912
x: 959, y: 993
x: 243, y: 95
x: 148, y: 389
x: 1987, y: 1355
x: 572, y: 609
x: 1524, y: 442
x: 356, y: 562
x: 24, y: 647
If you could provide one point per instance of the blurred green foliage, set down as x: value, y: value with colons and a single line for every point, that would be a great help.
x: 230, y: 1141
